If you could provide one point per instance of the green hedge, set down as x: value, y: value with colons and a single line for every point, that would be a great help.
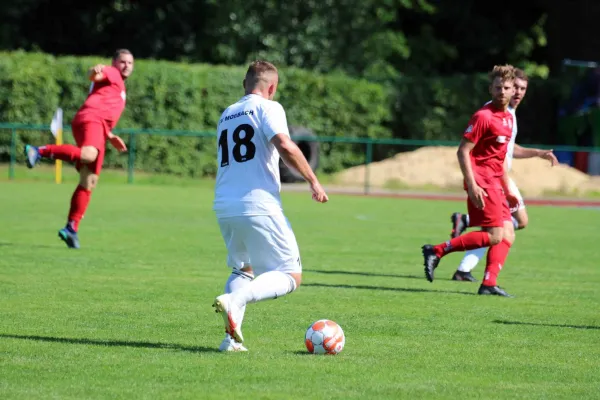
x: 166, y: 95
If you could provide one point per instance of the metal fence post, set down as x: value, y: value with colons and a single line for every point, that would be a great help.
x: 131, y: 158
x: 13, y: 154
x: 368, y: 160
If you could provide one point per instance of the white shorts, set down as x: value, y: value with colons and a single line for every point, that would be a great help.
x: 515, y: 190
x: 265, y: 242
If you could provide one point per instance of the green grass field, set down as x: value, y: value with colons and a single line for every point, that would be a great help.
x: 129, y: 315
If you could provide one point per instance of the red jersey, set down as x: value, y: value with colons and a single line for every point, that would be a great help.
x: 106, y: 100
x: 490, y: 129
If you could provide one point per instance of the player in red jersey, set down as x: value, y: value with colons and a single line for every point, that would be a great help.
x: 92, y: 126
x: 482, y: 159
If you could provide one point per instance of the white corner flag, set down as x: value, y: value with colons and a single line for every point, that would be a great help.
x: 56, y: 127
x: 56, y: 123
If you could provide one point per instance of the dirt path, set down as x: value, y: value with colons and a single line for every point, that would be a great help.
x: 437, y: 167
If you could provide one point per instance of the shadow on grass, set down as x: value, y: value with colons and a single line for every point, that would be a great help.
x: 30, y: 246
x: 421, y: 277
x: 113, y: 343
x: 384, y: 288
x: 303, y: 353
x: 498, y: 321
x: 364, y: 274
x: 306, y: 353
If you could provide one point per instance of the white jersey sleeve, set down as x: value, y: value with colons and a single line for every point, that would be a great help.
x: 274, y: 120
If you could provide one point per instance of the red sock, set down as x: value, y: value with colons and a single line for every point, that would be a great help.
x: 468, y: 241
x: 65, y: 152
x: 79, y: 203
x: 495, y: 259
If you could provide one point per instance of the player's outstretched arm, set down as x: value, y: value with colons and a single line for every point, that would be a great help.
x: 523, y: 152
x: 475, y: 192
x: 95, y: 73
x: 293, y: 158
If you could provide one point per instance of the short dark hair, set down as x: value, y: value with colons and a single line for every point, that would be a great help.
x: 119, y: 52
x: 256, y: 70
x: 520, y: 74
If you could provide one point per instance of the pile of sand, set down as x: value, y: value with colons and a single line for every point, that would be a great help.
x: 438, y: 167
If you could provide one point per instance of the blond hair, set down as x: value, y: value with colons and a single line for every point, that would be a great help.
x: 257, y: 72
x: 504, y: 72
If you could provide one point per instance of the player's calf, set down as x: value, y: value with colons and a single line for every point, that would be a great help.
x: 88, y: 180
x: 521, y: 218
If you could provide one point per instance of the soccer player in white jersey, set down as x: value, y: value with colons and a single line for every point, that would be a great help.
x: 460, y: 222
x: 261, y: 247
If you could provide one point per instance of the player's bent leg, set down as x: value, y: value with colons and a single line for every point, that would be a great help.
x: 272, y: 248
x: 469, y: 241
x: 490, y: 216
x: 270, y: 285
x: 89, y: 154
x: 65, y: 152
x: 521, y: 218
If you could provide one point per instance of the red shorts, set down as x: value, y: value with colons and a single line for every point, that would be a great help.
x: 90, y: 133
x: 494, y: 213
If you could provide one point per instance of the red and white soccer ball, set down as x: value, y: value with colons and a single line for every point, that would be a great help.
x: 324, y: 337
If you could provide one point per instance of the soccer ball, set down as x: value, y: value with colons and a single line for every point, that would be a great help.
x: 324, y: 337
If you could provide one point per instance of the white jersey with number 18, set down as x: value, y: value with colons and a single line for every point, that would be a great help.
x: 248, y: 180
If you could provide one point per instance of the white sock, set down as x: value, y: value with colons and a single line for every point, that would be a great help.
x: 236, y: 281
x: 515, y: 223
x: 471, y: 259
x: 468, y: 220
x: 270, y: 285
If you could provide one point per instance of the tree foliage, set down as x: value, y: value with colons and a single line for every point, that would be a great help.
x: 376, y: 39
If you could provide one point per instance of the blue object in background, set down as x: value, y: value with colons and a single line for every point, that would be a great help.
x: 564, y: 157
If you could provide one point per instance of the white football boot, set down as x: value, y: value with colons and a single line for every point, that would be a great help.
x: 232, y: 315
x: 229, y: 344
